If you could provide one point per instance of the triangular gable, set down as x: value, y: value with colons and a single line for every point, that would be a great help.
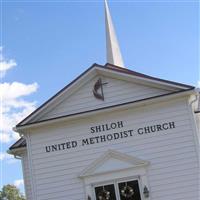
x: 64, y: 99
x: 115, y: 91
x: 113, y: 161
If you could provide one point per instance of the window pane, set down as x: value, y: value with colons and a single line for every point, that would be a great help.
x: 106, y: 192
x: 129, y: 190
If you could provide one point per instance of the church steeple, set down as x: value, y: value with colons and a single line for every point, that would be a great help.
x: 113, y: 51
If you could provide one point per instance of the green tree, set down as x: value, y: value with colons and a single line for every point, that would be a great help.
x: 10, y: 192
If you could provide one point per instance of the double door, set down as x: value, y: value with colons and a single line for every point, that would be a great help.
x: 119, y: 190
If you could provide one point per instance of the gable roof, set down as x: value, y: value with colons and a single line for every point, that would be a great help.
x: 107, y: 68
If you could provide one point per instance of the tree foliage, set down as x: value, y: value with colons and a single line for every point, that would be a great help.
x: 10, y: 192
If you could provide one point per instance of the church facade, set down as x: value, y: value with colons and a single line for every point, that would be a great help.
x: 113, y: 134
x: 140, y: 140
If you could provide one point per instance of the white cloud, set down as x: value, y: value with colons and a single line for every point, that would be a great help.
x: 5, y: 64
x: 16, y: 89
x: 19, y: 182
x: 13, y: 106
x: 198, y: 84
x: 10, y: 118
x: 4, y: 156
x: 5, y: 137
x: 7, y: 158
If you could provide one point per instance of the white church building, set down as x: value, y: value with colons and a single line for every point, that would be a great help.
x: 113, y: 134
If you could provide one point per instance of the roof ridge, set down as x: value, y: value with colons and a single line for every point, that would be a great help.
x: 142, y: 75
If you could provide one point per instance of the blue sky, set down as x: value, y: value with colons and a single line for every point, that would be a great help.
x: 46, y: 44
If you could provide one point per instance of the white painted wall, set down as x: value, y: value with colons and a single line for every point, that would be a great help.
x: 198, y: 122
x: 172, y: 175
x: 26, y: 174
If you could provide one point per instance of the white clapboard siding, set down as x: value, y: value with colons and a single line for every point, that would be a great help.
x: 198, y: 125
x: 172, y: 173
x: 115, y: 92
x: 133, y: 117
x: 26, y: 175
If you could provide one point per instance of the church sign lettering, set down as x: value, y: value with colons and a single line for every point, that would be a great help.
x: 114, y: 134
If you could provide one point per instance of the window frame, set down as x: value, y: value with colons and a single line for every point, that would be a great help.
x: 102, y: 184
x: 115, y: 182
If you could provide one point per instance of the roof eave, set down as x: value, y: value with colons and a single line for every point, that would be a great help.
x: 16, y: 151
x: 108, y: 109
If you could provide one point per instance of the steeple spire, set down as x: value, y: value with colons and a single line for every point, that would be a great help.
x: 113, y: 51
